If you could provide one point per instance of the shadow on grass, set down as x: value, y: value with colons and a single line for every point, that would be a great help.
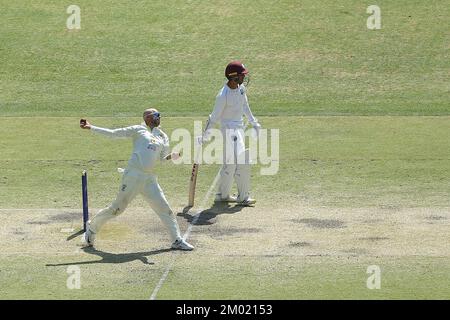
x: 207, y: 216
x: 76, y: 234
x: 114, y: 257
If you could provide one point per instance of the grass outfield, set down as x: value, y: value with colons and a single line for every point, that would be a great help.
x: 364, y: 175
x: 351, y: 192
x: 305, y: 58
x: 332, y: 161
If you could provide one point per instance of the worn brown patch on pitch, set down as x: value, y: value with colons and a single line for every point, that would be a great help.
x: 356, y: 251
x: 38, y: 222
x: 373, y: 238
x: 65, y: 216
x: 226, y: 231
x: 300, y: 244
x: 435, y: 218
x: 321, y: 223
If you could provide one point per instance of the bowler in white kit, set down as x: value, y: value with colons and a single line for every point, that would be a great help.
x: 150, y: 145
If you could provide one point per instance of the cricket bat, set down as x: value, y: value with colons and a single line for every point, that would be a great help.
x: 192, y: 184
x: 194, y: 172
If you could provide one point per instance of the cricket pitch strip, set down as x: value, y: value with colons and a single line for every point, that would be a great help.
x: 268, y: 247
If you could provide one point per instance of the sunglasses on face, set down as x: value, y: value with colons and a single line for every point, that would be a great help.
x: 156, y: 115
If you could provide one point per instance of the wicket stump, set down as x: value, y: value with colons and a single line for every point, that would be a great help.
x: 85, y: 199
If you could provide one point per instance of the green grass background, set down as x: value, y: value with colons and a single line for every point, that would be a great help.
x: 332, y: 161
x: 363, y: 118
x: 305, y: 57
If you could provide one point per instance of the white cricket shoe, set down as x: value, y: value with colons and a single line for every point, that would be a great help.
x: 89, y: 236
x: 246, y: 202
x: 181, y: 244
x: 228, y: 199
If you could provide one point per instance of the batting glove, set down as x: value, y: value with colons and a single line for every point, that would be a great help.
x: 255, y: 130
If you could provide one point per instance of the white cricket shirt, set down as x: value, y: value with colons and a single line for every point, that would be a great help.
x: 149, y: 147
x: 230, y: 106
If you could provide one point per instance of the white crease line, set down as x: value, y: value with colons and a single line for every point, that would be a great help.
x: 185, y: 237
x: 163, y: 278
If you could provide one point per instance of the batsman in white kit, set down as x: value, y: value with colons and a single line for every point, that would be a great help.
x: 230, y: 107
x: 150, y: 145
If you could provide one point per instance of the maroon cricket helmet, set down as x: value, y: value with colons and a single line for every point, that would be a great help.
x: 234, y: 69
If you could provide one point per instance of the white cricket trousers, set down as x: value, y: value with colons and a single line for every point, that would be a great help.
x: 136, y: 182
x: 236, y: 164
